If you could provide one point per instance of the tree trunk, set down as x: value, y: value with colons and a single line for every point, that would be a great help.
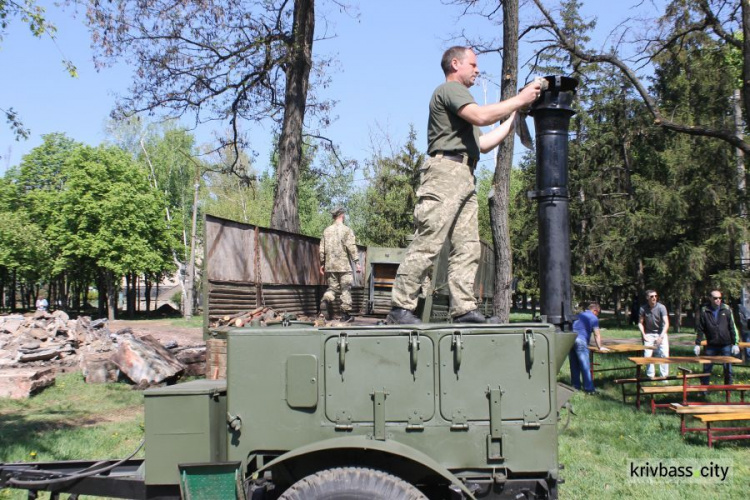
x: 13, y: 285
x: 618, y: 308
x: 285, y: 213
x: 147, y: 285
x: 501, y: 301
x: 102, y: 299
x: 190, y: 275
x: 746, y: 59
x: 678, y: 316
x: 111, y: 295
x: 129, y: 295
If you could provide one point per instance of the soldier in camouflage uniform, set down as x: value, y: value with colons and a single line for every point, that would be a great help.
x: 336, y: 248
x: 447, y: 201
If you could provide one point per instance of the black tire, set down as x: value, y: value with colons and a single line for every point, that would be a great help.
x: 352, y: 483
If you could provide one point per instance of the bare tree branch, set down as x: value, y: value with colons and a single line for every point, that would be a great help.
x: 564, y: 42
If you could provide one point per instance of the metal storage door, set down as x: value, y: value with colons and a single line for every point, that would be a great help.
x: 379, y: 363
x: 492, y: 361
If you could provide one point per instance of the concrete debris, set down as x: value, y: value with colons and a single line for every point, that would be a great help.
x: 33, y: 347
x: 145, y: 361
x: 19, y: 383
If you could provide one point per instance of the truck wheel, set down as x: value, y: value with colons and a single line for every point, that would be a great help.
x: 352, y: 482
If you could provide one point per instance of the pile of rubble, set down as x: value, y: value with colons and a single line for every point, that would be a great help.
x: 33, y: 349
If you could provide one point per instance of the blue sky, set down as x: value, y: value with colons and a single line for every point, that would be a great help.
x: 388, y: 66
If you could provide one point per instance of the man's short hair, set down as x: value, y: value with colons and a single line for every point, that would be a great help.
x: 594, y: 306
x: 455, y: 52
x: 337, y: 211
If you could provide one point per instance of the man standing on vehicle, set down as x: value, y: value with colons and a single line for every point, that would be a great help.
x: 716, y: 324
x: 653, y: 323
x: 447, y: 202
x: 337, y: 246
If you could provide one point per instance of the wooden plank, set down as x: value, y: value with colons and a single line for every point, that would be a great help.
x: 618, y: 348
x: 708, y: 409
x: 723, y: 417
x: 669, y: 389
x: 655, y: 379
x: 686, y: 359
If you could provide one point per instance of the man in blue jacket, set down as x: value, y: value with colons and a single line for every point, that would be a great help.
x: 580, y: 366
x: 716, y: 324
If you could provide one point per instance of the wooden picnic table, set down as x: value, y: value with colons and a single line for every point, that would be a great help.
x: 612, y: 349
x: 673, y: 360
x: 743, y: 345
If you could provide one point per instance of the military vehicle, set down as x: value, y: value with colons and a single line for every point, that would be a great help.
x: 438, y: 411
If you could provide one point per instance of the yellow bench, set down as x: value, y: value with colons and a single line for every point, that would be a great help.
x: 719, y: 433
x: 622, y: 382
x: 685, y: 389
x: 691, y: 410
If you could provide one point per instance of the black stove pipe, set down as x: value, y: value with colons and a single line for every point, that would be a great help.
x: 552, y: 113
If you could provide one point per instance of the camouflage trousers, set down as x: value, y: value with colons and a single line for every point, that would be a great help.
x: 446, y: 210
x: 340, y: 283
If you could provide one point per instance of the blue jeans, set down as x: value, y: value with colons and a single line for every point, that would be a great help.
x: 746, y: 338
x: 580, y: 366
x: 725, y: 350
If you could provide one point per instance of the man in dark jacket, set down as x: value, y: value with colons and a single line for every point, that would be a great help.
x: 716, y: 324
x: 745, y: 329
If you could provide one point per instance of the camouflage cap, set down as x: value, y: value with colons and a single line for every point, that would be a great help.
x: 337, y: 211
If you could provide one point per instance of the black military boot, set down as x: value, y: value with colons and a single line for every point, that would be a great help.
x: 326, y: 309
x: 470, y: 317
x: 401, y: 316
x: 346, y: 317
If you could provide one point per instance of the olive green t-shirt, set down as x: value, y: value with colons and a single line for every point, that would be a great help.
x: 446, y: 131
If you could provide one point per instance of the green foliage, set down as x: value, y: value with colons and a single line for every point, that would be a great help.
x: 110, y: 216
x: 484, y: 185
x: 391, y: 196
x: 41, y: 178
x: 23, y: 246
x: 649, y: 208
x: 230, y: 197
x: 524, y: 228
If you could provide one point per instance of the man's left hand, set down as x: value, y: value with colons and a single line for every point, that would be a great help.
x: 735, y: 350
x: 359, y: 269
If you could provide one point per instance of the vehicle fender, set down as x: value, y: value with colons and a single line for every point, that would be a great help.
x: 364, y: 443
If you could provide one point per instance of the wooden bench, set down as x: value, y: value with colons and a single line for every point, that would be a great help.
x: 686, y: 388
x: 691, y: 410
x: 622, y: 382
x: 719, y: 433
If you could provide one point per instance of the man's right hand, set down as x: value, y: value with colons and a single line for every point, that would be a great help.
x: 697, y: 350
x: 322, y: 270
x: 530, y: 93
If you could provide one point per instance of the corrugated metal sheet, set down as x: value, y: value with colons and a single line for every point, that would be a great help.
x: 287, y: 263
x: 237, y: 252
x: 290, y: 281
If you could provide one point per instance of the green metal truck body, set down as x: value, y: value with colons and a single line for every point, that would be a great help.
x: 473, y: 409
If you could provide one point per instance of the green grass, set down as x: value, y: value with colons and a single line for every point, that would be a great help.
x: 194, y: 322
x: 604, y: 434
x: 71, y: 420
